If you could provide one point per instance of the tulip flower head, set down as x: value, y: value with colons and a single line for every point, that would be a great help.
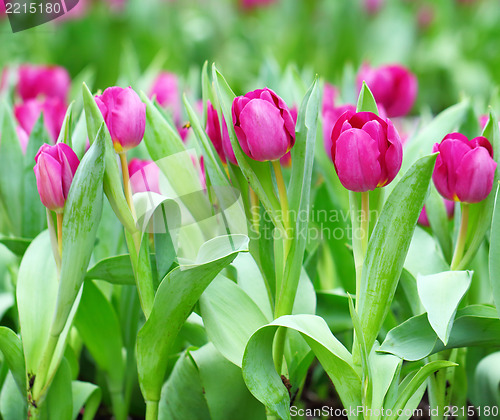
x: 366, y: 151
x: 125, y: 116
x: 54, y: 170
x: 464, y: 169
x: 263, y: 124
x: 144, y: 176
x: 394, y: 88
x: 42, y: 81
x: 220, y: 140
x: 449, y: 207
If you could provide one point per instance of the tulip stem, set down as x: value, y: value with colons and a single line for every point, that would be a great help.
x: 254, y: 210
x: 59, y: 232
x: 284, y: 204
x: 126, y: 182
x: 462, y: 237
x: 364, y: 227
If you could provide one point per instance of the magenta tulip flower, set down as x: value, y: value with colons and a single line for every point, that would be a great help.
x: 54, y: 170
x: 464, y: 169
x: 394, y: 88
x: 251, y: 4
x: 366, y: 151
x: 450, y: 210
x: 166, y: 90
x: 53, y: 109
x: 144, y: 176
x: 263, y: 124
x: 125, y: 116
x: 373, y: 6
x: 48, y: 82
x: 220, y: 139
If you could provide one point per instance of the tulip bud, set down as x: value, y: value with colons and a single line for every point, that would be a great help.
x: 125, y: 116
x: 464, y: 169
x: 23, y: 138
x: 221, y: 141
x: 54, y: 170
x: 366, y: 151
x: 53, y: 109
x: 263, y: 124
x: 144, y: 176
x: 49, y: 82
x: 166, y: 90
x: 393, y: 87
x: 449, y: 207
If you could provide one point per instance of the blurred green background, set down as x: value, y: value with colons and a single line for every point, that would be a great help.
x: 451, y: 45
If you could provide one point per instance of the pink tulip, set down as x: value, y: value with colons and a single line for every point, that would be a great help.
x: 53, y: 109
x: 252, y: 4
x: 394, y: 87
x: 263, y: 124
x: 48, y: 82
x: 125, y: 116
x: 464, y: 169
x: 449, y: 207
x: 144, y: 176
x: 166, y: 90
x: 54, y: 170
x: 373, y: 6
x: 23, y: 138
x: 220, y: 140
x: 366, y: 151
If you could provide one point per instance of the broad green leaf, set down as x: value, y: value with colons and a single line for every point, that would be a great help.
x: 13, y: 405
x: 494, y: 257
x: 182, y: 395
x: 221, y: 304
x: 12, y: 350
x: 65, y: 135
x: 11, y: 171
x: 174, y: 301
x: 17, y: 246
x: 82, y: 214
x: 115, y: 270
x: 265, y: 383
x: 441, y: 294
x: 487, y: 380
x: 34, y: 215
x: 389, y: 245
x: 87, y: 396
x: 333, y: 307
x: 415, y: 339
x: 112, y: 176
x: 423, y: 255
x: 366, y: 101
x: 59, y: 402
x: 415, y: 383
x: 36, y: 298
x: 99, y: 328
x: 226, y: 394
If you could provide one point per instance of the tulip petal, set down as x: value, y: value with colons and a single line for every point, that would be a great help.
x: 394, y: 155
x: 475, y: 176
x: 48, y: 180
x: 451, y: 153
x: 264, y: 130
x: 356, y: 160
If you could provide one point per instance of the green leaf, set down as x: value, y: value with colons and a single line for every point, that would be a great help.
x: 487, y: 380
x: 389, y: 245
x: 174, y: 301
x: 115, y: 270
x: 82, y: 214
x: 11, y: 171
x: 99, y: 328
x: 438, y: 220
x: 494, y: 257
x: 221, y: 304
x: 440, y: 294
x: 366, y: 101
x: 415, y: 383
x: 112, y: 175
x: 34, y: 214
x: 65, y: 135
x: 13, y: 406
x: 415, y: 339
x: 88, y: 396
x: 226, y: 394
x: 59, y: 402
x: 423, y: 255
x: 12, y: 350
x: 384, y: 369
x: 36, y: 298
x: 17, y: 246
x: 265, y: 383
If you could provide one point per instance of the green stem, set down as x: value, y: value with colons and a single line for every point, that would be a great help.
x: 365, y: 232
x: 284, y: 206
x: 126, y: 183
x: 462, y: 237
x: 119, y: 405
x: 40, y: 384
x: 152, y: 408
x: 59, y: 232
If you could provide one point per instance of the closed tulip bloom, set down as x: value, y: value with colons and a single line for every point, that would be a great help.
x: 53, y: 109
x: 54, y: 170
x: 366, y: 151
x: 48, y: 82
x: 263, y: 124
x: 394, y: 87
x: 166, y: 91
x: 125, y: 116
x: 144, y: 176
x: 449, y: 207
x: 464, y: 169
